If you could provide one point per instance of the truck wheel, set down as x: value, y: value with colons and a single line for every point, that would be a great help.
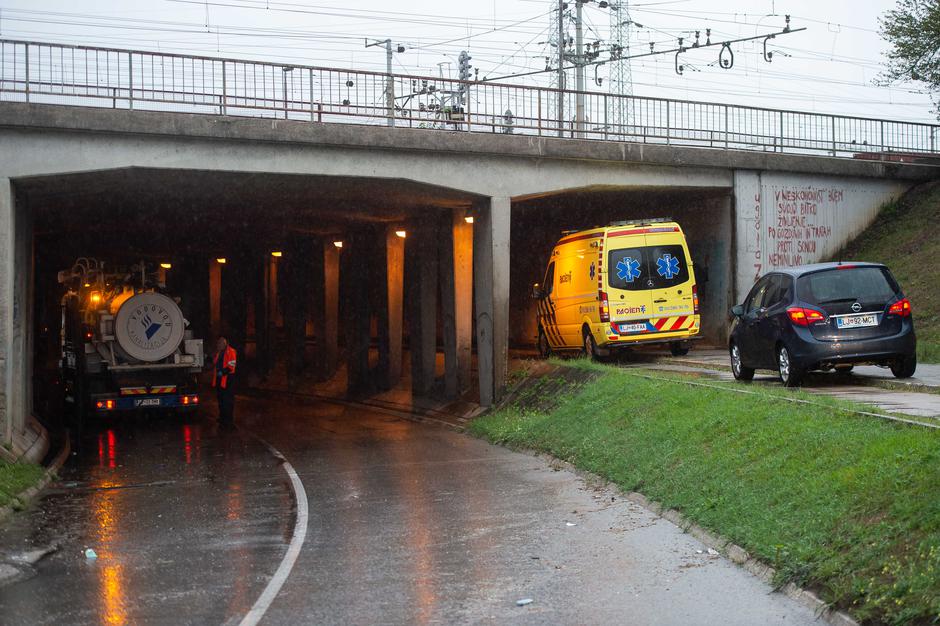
x: 545, y: 349
x: 677, y: 349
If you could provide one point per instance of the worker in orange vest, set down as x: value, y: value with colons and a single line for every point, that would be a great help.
x: 222, y: 379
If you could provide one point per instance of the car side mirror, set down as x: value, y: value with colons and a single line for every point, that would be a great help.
x: 537, y: 292
x: 737, y: 310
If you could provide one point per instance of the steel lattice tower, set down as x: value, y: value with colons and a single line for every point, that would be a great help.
x: 620, y: 81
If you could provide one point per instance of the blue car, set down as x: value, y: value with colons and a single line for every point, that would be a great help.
x: 823, y: 317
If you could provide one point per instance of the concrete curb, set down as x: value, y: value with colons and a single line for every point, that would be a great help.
x: 733, y: 552
x: 738, y: 555
x: 26, y: 496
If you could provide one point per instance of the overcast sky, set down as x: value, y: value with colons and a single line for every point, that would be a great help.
x: 830, y: 67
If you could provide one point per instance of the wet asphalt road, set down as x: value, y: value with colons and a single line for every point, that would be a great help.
x: 409, y: 523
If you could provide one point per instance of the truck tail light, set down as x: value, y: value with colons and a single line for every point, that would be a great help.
x: 901, y: 308
x: 695, y: 299
x: 104, y: 405
x: 804, y: 317
x: 604, y: 308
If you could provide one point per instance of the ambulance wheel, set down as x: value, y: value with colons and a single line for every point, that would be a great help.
x: 590, y: 347
x: 545, y: 349
x: 677, y: 349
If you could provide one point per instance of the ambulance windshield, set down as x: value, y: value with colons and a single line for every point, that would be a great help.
x: 652, y: 267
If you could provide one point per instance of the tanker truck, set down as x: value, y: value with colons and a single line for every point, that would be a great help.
x: 125, y: 343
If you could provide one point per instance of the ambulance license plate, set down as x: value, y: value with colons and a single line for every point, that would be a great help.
x: 147, y: 402
x: 633, y: 328
x: 856, y: 321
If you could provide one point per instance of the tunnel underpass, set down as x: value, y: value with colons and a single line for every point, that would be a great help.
x: 308, y: 276
x: 369, y: 283
x: 705, y: 215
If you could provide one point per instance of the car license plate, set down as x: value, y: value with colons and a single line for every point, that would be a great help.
x: 632, y: 328
x: 147, y: 402
x: 857, y: 321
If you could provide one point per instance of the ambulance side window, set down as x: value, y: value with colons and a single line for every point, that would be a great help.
x: 548, y: 286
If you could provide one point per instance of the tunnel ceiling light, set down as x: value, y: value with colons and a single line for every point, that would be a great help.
x: 468, y: 217
x: 338, y: 243
x: 277, y: 253
x: 220, y: 260
x: 166, y: 266
x: 401, y: 233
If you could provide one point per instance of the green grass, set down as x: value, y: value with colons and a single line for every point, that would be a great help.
x: 843, y: 504
x: 904, y: 238
x: 14, y: 478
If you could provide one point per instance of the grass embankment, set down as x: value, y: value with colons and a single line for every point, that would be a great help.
x: 843, y: 504
x: 15, y: 478
x: 904, y: 237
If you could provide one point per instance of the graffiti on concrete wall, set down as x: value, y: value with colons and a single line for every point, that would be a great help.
x: 784, y: 220
x: 799, y: 230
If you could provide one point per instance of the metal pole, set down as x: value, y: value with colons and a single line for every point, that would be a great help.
x: 579, y: 69
x: 390, y: 83
x: 389, y: 80
x: 561, y: 68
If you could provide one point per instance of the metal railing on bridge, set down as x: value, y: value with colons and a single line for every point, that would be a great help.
x: 154, y: 81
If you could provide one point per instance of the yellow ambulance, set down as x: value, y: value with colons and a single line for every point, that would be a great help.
x: 621, y: 285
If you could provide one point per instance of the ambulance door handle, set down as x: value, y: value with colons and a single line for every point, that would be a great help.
x: 660, y: 300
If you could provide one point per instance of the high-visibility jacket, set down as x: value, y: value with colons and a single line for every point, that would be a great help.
x: 224, y: 362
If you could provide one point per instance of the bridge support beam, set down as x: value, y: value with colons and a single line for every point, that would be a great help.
x: 215, y: 304
x: 491, y: 279
x: 422, y: 258
x: 463, y: 298
x: 326, y: 308
x: 391, y: 311
x: 356, y: 313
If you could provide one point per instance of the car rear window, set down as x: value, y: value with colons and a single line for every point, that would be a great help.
x: 863, y: 284
x: 650, y: 267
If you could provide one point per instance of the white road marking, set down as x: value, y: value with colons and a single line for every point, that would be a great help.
x: 270, y: 592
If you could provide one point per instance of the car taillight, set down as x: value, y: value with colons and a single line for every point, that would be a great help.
x: 805, y: 317
x: 901, y: 307
x: 604, y: 308
x: 695, y: 299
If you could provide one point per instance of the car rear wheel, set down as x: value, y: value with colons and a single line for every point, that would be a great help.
x: 678, y: 349
x: 545, y: 349
x: 737, y: 367
x: 791, y: 375
x: 590, y: 347
x: 904, y: 367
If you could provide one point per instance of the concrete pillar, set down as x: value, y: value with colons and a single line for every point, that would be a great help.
x: 463, y: 298
x: 237, y: 285
x: 260, y: 292
x: 15, y: 319
x: 445, y: 259
x: 491, y: 278
x: 391, y: 329
x: 422, y: 249
x: 326, y: 307
x: 215, y: 301
x: 355, y: 296
x: 294, y: 285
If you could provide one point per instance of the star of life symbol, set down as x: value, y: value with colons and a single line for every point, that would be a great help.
x: 667, y: 266
x: 591, y: 271
x: 628, y: 269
